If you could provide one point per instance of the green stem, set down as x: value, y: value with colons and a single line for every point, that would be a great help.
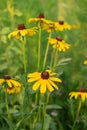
x: 46, y: 52
x: 6, y: 101
x: 24, y: 54
x: 39, y: 45
x: 78, y: 110
x: 52, y: 57
x: 55, y: 58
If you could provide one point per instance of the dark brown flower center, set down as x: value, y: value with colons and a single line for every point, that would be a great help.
x: 6, y: 77
x: 44, y: 75
x: 61, y: 22
x: 41, y: 15
x: 21, y: 27
x: 81, y: 90
x: 58, y: 38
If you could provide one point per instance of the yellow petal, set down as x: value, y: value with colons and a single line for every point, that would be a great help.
x: 33, y: 79
x: 15, y: 83
x: 53, y: 84
x: 9, y: 83
x: 13, y: 34
x: 49, y: 87
x: 43, y: 86
x: 35, y: 74
x: 55, y: 79
x: 83, y: 96
x: 1, y: 81
x: 37, y: 84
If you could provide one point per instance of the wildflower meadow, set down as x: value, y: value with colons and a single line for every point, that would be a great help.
x: 43, y: 65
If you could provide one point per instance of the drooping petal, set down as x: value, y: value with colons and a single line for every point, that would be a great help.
x: 13, y: 34
x: 37, y: 84
x: 43, y: 87
x: 1, y: 81
x: 9, y: 83
x: 55, y: 79
x: 53, y: 84
x: 15, y: 83
x: 10, y: 90
x: 83, y: 96
x: 49, y: 87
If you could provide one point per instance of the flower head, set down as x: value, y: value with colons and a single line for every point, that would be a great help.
x: 44, y: 23
x: 22, y: 31
x: 58, y: 43
x: 81, y: 93
x: 44, y: 80
x: 61, y: 25
x: 11, y: 85
x: 40, y: 18
x: 49, y: 26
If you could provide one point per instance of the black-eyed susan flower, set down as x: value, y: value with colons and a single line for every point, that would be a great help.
x: 85, y: 62
x: 58, y: 43
x: 44, y: 80
x: 49, y: 26
x: 44, y: 23
x: 10, y: 85
x: 40, y: 18
x: 61, y: 25
x: 79, y: 94
x: 22, y: 31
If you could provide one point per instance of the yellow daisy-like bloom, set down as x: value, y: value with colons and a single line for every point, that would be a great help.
x: 44, y: 80
x: 44, y: 23
x: 22, y: 31
x: 49, y: 26
x: 81, y: 93
x: 85, y: 62
x: 61, y: 26
x: 11, y: 85
x: 58, y: 43
x: 40, y: 18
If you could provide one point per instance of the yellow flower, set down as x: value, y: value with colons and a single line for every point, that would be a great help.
x: 81, y: 93
x: 40, y: 18
x: 49, y: 26
x: 85, y: 62
x: 61, y: 26
x: 58, y: 43
x: 44, y: 80
x: 44, y: 23
x: 22, y: 31
x: 11, y: 85
x: 15, y: 89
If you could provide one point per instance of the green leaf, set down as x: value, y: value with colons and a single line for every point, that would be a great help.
x: 47, y: 122
x: 64, y: 61
x: 53, y: 106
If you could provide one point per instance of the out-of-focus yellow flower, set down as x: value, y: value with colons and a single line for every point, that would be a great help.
x: 40, y: 18
x: 44, y: 80
x: 80, y: 94
x: 22, y: 31
x: 44, y: 23
x: 49, y: 26
x: 85, y: 62
x: 10, y: 85
x: 61, y: 25
x: 58, y: 43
